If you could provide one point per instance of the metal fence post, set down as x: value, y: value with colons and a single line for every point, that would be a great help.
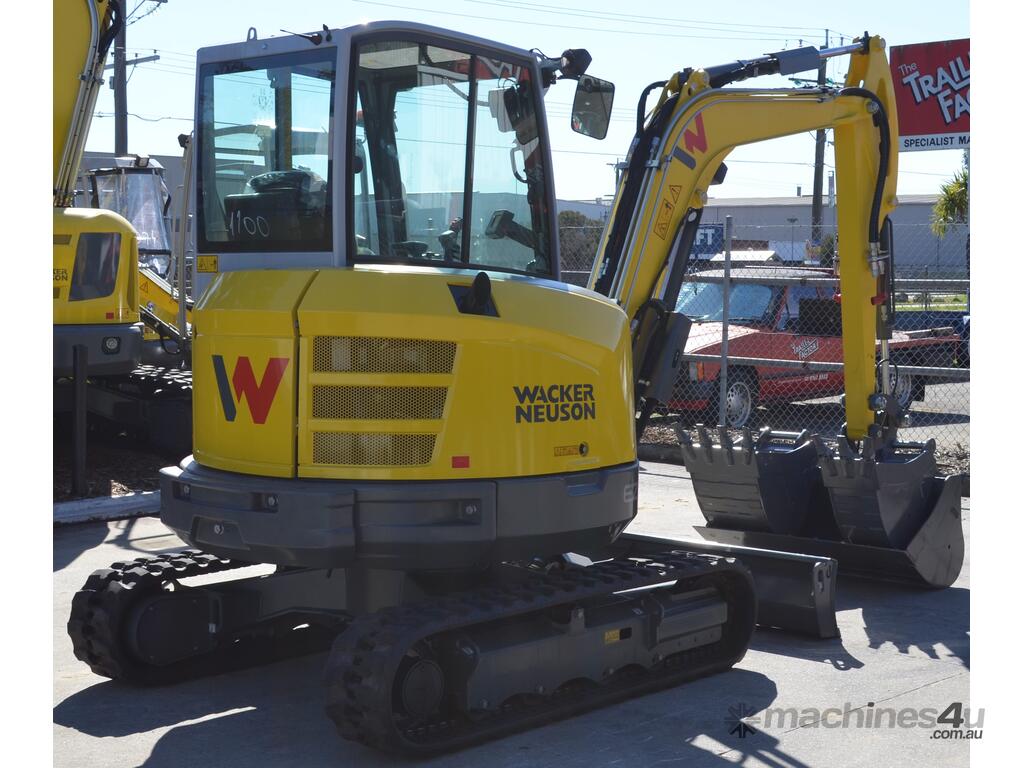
x: 723, y: 375
x: 80, y: 363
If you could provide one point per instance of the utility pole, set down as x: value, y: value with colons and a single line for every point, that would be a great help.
x: 819, y: 166
x: 120, y: 86
x: 619, y: 167
x: 120, y: 81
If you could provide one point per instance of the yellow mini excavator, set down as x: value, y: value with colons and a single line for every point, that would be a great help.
x: 399, y: 404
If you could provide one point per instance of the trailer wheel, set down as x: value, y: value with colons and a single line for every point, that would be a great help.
x: 740, y: 399
x: 904, y: 386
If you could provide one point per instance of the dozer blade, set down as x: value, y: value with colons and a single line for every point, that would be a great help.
x: 881, y: 512
x: 795, y: 592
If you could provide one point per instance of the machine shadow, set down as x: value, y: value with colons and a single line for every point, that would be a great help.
x: 273, y: 715
x: 780, y: 643
x: 682, y: 715
x: 70, y: 541
x: 911, y: 618
x: 290, y: 688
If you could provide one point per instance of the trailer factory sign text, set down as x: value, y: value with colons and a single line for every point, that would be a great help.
x: 933, y: 94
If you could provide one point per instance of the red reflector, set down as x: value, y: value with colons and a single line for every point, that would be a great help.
x: 110, y: 315
x: 460, y: 462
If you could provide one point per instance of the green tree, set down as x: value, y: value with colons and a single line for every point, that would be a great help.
x: 951, y: 207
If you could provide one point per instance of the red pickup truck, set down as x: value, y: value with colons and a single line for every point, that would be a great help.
x: 796, y: 322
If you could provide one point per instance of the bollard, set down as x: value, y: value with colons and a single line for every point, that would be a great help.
x: 80, y: 366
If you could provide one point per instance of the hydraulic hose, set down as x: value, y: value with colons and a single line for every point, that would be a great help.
x: 881, y: 120
x: 641, y: 105
x: 116, y: 22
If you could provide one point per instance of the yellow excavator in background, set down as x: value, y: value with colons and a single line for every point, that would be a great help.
x: 399, y: 404
x: 134, y: 187
x: 95, y: 252
x: 120, y: 323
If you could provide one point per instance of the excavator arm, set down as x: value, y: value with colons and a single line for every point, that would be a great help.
x: 679, y: 151
x: 82, y: 36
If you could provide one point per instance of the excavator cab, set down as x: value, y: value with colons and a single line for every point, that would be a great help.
x: 134, y: 187
x: 379, y: 210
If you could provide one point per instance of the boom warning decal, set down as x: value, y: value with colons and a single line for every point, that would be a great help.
x: 695, y: 140
x: 538, y: 403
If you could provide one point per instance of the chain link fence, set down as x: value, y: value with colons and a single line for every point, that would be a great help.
x: 783, y: 334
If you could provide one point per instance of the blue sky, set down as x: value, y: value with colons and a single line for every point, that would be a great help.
x: 630, y: 50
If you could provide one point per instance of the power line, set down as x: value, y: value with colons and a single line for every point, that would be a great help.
x: 710, y: 26
x: 156, y: 6
x: 133, y: 10
x: 574, y: 27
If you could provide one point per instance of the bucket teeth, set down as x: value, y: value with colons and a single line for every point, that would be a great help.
x: 685, y: 445
x: 826, y: 460
x: 845, y: 449
x: 726, y: 443
x: 747, y: 443
x: 872, y: 505
x: 704, y: 441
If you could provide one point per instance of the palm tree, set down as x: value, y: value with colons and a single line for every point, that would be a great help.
x: 951, y: 210
x: 951, y: 207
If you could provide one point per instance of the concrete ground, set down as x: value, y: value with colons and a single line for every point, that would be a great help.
x: 900, y: 649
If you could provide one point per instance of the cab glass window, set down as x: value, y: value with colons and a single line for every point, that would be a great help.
x: 265, y: 153
x: 96, y: 262
x: 447, y: 162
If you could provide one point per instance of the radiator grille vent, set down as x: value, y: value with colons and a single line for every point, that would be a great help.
x: 372, y: 449
x: 344, y: 402
x: 365, y: 354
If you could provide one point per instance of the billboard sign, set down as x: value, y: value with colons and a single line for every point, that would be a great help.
x: 710, y: 240
x: 933, y: 94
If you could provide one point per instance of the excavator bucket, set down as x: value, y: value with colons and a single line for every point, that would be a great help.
x: 769, y: 484
x: 882, y: 513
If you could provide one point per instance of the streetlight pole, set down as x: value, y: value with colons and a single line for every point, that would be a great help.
x: 792, y: 236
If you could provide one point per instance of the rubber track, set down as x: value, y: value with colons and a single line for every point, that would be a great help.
x: 366, y: 656
x: 101, y: 609
x: 161, y: 381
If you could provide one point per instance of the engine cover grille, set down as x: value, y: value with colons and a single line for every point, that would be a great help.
x: 332, y: 401
x: 365, y: 354
x: 372, y: 449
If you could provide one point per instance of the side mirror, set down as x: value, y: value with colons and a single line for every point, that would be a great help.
x: 592, y: 107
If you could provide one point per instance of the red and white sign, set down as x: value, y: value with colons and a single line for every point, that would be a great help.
x: 933, y: 94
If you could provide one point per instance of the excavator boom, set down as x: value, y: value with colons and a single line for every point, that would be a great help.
x: 873, y: 502
x: 678, y: 154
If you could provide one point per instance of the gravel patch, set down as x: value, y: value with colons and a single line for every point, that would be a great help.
x: 116, y: 465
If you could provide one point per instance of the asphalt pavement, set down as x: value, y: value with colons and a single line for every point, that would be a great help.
x: 902, y: 650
